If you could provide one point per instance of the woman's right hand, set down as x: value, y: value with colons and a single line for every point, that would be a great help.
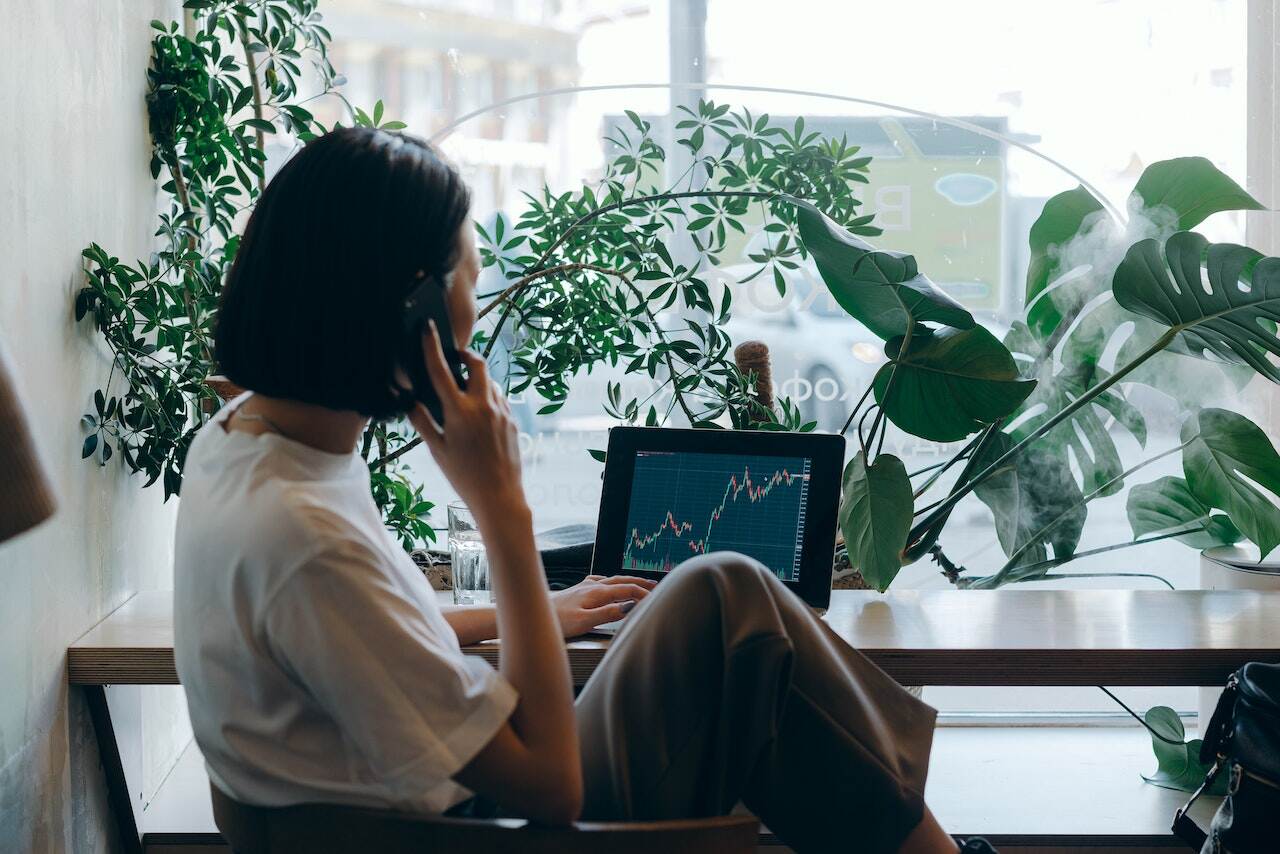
x: 477, y: 447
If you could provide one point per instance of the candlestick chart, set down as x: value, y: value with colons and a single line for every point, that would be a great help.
x: 686, y: 504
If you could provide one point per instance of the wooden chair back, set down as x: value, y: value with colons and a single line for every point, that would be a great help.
x: 326, y: 829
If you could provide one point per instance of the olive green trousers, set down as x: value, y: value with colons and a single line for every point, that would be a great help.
x: 723, y: 687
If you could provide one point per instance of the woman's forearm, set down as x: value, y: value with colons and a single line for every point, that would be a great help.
x: 472, y: 623
x: 533, y: 653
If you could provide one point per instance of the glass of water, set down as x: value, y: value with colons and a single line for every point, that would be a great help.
x: 470, y: 561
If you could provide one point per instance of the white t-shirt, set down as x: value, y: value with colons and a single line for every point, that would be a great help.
x: 317, y: 664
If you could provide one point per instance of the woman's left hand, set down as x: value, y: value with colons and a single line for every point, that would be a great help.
x: 598, y: 599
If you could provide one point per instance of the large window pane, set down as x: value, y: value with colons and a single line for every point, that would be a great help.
x: 974, y: 117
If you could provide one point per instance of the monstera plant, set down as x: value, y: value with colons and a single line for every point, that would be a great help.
x: 1148, y: 290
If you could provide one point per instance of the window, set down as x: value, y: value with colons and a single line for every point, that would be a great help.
x: 973, y: 121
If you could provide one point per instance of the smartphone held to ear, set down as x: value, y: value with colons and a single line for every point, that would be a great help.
x: 426, y: 302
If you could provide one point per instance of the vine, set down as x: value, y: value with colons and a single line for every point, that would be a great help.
x: 216, y: 93
x: 591, y: 277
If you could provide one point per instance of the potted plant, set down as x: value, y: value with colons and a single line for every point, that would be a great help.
x: 595, y: 276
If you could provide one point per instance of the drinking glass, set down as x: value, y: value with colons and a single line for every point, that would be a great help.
x: 470, y: 561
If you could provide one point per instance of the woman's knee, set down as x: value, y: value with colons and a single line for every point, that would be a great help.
x: 725, y: 563
x: 714, y: 573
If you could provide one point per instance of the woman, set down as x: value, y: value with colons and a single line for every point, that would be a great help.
x: 317, y: 663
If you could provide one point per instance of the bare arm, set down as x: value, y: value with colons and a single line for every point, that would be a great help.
x: 580, y: 608
x: 540, y: 753
x: 472, y: 623
x: 532, y: 764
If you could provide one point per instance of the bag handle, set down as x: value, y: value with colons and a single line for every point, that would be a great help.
x: 1184, y: 826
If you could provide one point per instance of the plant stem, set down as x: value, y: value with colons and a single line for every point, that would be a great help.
x: 385, y: 459
x: 944, y: 464
x: 1038, y: 536
x: 928, y: 507
x: 581, y: 265
x: 923, y: 535
x: 613, y: 206
x: 662, y: 336
x: 862, y: 442
x: 1058, y: 576
x: 1083, y: 400
x: 251, y: 64
x: 1134, y: 714
x: 519, y: 284
x: 965, y: 452
x: 856, y: 407
x: 184, y: 200
x: 1033, y: 571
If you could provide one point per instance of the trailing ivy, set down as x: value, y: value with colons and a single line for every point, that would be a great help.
x: 215, y: 93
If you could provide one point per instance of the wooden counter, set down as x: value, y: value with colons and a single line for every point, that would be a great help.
x: 949, y: 637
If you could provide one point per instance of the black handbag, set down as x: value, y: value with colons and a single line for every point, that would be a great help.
x: 1243, y: 741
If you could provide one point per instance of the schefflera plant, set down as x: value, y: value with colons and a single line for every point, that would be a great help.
x: 1163, y: 298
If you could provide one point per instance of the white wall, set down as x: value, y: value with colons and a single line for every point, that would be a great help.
x: 73, y: 169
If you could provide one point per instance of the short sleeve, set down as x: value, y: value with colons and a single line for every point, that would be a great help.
x: 390, y: 675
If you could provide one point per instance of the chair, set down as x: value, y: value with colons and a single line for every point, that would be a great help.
x: 324, y: 829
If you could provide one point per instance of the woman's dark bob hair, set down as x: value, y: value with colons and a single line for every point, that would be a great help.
x: 311, y: 309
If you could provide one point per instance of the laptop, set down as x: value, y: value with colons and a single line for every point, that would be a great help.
x: 672, y: 494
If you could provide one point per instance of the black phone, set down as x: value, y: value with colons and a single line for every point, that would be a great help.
x: 426, y: 301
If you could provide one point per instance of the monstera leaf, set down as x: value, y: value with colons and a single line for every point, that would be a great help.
x: 883, y: 290
x: 1187, y: 378
x: 1219, y: 298
x: 1085, y: 435
x: 1178, y: 765
x: 1028, y: 493
x: 1226, y: 460
x: 875, y: 516
x: 1167, y: 505
x: 1062, y: 218
x: 1192, y: 188
x: 1074, y: 243
x: 949, y: 384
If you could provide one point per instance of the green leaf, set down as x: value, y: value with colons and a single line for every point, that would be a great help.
x: 597, y: 455
x: 1167, y: 505
x: 1028, y: 493
x: 875, y: 516
x: 1063, y: 217
x: 1193, y: 188
x: 1170, y: 195
x: 1221, y: 298
x: 950, y: 384
x: 90, y: 445
x: 1084, y: 435
x: 1177, y: 765
x: 1224, y: 450
x: 883, y: 290
x: 259, y: 124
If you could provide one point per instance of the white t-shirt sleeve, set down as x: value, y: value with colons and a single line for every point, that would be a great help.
x: 391, y: 676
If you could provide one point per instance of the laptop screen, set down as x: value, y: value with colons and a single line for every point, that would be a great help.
x: 685, y: 503
x: 673, y: 494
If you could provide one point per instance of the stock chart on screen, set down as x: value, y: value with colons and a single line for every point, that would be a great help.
x: 686, y: 504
